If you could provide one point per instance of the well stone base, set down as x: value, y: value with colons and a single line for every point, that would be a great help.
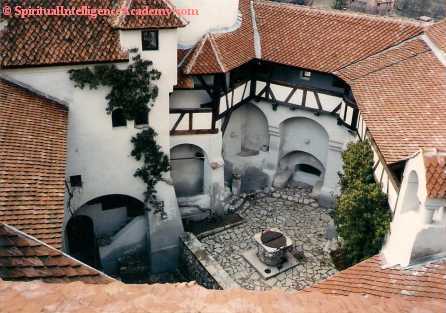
x: 268, y: 271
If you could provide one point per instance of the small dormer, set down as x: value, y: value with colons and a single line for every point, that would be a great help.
x: 418, y: 230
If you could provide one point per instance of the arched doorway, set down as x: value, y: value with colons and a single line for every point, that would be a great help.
x: 187, y: 170
x: 108, y: 229
x: 82, y: 240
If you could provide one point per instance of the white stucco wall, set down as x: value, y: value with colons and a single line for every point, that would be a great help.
x: 100, y: 153
x: 212, y: 15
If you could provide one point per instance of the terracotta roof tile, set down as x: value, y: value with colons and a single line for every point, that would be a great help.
x: 33, y: 148
x: 371, y: 278
x: 401, y: 93
x: 437, y: 33
x: 171, y: 20
x: 46, y: 40
x: 435, y: 174
x: 23, y: 257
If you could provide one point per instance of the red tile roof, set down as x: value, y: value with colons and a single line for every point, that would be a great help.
x: 437, y: 33
x: 325, y: 40
x: 33, y: 148
x: 46, y: 40
x: 322, y: 40
x: 400, y: 93
x: 121, y: 298
x: 222, y: 52
x: 171, y: 20
x: 426, y: 281
x: 25, y: 258
x: 435, y: 163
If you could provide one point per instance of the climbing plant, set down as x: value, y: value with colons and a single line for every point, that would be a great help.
x: 362, y: 215
x: 133, y: 91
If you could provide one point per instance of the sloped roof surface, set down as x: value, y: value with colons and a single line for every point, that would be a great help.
x: 46, y: 40
x: 370, y: 278
x: 24, y: 258
x: 33, y: 148
x: 435, y: 164
x: 437, y: 33
x: 121, y: 298
x: 160, y: 20
x: 401, y: 93
x: 324, y: 40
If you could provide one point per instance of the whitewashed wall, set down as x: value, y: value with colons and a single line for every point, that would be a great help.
x: 100, y: 153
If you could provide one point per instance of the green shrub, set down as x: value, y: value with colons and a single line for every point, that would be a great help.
x: 362, y: 215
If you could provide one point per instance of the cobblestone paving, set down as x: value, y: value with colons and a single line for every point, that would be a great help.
x: 295, y: 213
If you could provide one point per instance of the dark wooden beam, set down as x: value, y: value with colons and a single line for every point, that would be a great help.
x: 190, y: 110
x: 191, y: 121
x: 178, y: 122
x: 293, y: 91
x: 194, y: 132
x: 318, y: 100
x: 206, y: 86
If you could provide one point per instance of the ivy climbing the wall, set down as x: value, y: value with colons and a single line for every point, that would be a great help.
x: 133, y: 91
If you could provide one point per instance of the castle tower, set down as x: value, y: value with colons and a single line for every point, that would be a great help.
x: 205, y: 16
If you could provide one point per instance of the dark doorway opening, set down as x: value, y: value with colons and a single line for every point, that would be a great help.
x: 82, y: 240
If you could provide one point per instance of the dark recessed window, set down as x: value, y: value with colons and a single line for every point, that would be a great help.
x: 308, y: 169
x: 306, y: 75
x: 118, y: 118
x: 76, y: 181
x: 149, y: 40
x: 142, y: 118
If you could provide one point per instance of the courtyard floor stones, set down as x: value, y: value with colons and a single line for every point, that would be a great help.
x: 299, y: 216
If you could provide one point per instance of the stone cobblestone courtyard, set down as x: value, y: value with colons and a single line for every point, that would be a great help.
x: 299, y: 216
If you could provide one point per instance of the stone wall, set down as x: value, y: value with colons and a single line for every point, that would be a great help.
x: 201, y: 267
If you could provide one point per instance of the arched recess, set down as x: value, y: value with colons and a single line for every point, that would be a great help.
x: 304, y: 135
x: 411, y: 201
x: 187, y: 169
x: 305, y: 168
x: 254, y: 130
x: 247, y: 132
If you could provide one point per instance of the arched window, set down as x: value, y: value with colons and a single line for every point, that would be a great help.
x: 118, y: 118
x: 142, y: 118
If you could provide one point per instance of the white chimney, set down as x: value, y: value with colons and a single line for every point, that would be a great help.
x: 418, y: 229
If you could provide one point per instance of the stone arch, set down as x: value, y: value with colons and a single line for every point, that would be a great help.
x: 411, y: 200
x: 188, y: 162
x: 303, y: 167
x: 305, y: 135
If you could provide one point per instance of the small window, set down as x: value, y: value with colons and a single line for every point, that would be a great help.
x: 306, y: 75
x: 142, y: 118
x: 118, y: 118
x: 149, y: 40
x: 76, y: 181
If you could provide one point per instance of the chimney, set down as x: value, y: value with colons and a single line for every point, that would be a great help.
x: 418, y: 229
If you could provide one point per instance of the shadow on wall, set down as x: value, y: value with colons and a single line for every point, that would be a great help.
x: 303, y: 168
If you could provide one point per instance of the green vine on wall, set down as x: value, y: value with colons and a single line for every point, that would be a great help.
x: 133, y: 91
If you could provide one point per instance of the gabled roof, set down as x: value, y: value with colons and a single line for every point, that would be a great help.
x: 33, y: 151
x: 222, y: 52
x: 166, y: 18
x: 316, y: 39
x: 371, y: 277
x: 24, y: 258
x: 401, y: 94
